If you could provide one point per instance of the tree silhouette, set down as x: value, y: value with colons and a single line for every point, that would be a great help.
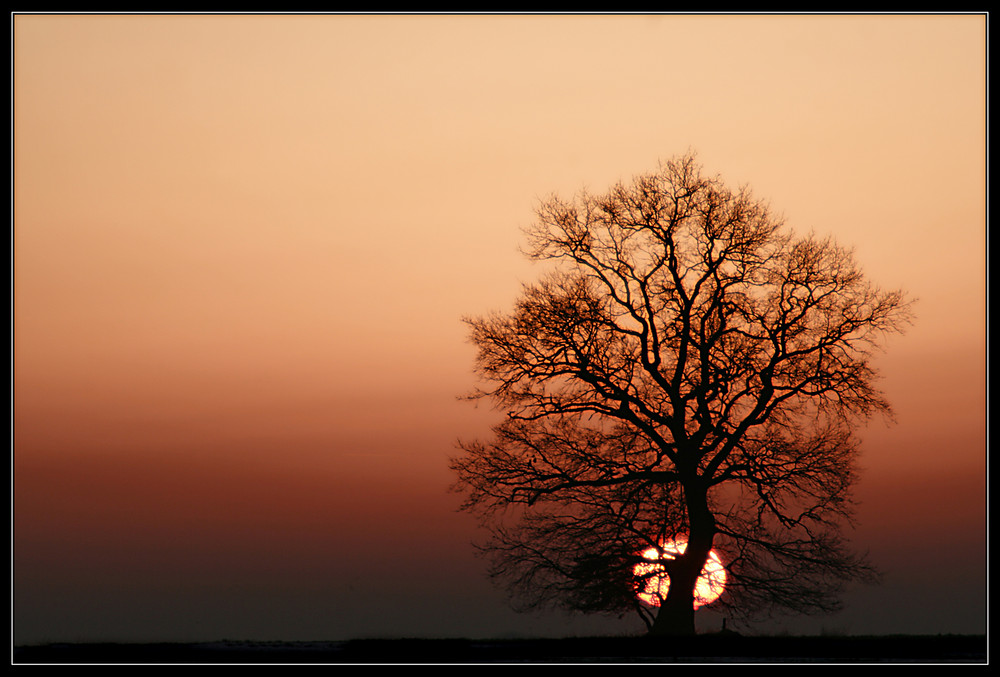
x: 689, y: 372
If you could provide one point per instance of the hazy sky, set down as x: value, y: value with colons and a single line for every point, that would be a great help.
x: 243, y: 246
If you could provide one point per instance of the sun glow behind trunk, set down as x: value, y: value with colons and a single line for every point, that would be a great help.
x: 709, y: 587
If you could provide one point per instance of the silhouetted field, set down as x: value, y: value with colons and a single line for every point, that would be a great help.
x: 701, y: 649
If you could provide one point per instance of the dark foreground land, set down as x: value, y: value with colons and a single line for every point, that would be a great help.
x: 701, y: 649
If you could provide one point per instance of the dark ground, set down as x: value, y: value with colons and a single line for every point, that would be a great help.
x: 701, y: 649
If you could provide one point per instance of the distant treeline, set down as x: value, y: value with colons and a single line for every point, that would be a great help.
x: 700, y: 649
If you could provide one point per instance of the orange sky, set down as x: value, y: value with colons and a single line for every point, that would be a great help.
x: 243, y: 246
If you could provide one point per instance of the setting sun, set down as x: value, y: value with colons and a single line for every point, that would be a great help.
x: 711, y: 582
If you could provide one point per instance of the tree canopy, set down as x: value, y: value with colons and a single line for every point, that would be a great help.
x: 689, y: 370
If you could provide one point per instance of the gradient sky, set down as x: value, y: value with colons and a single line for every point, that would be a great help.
x: 243, y: 246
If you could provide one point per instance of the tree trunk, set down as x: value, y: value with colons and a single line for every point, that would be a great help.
x: 676, y: 614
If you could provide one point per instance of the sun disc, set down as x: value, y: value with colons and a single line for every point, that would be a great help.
x: 711, y: 582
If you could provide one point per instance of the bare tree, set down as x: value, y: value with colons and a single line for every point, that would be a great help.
x: 688, y: 371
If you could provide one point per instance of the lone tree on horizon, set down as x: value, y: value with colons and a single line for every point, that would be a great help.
x: 689, y: 373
